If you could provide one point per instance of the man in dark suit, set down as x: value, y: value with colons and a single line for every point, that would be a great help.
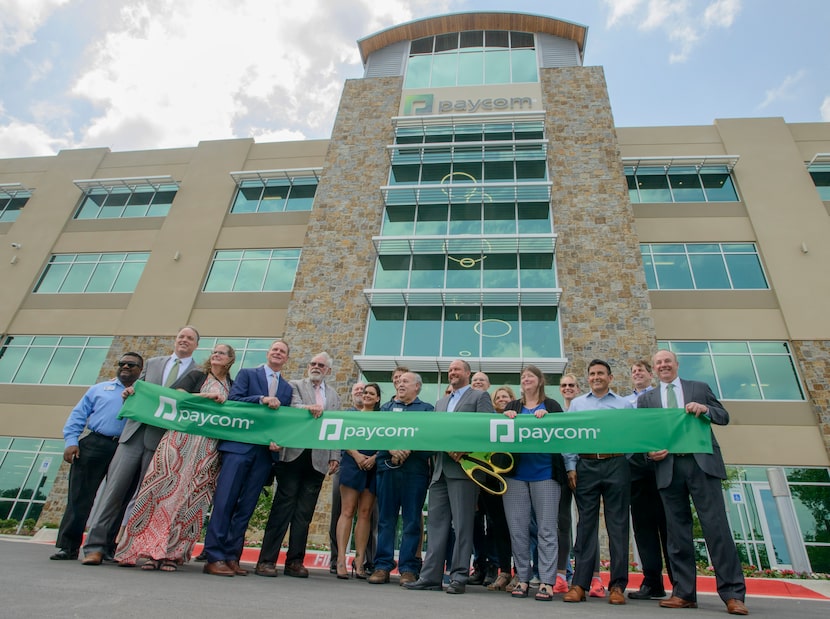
x: 300, y: 476
x: 245, y: 468
x: 697, y: 475
x: 136, y: 447
x: 452, y: 495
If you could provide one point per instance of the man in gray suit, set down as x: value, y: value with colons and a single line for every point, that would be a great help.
x: 452, y: 495
x: 300, y: 474
x: 695, y: 475
x: 135, y: 449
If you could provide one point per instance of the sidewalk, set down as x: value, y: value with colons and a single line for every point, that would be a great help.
x: 766, y: 587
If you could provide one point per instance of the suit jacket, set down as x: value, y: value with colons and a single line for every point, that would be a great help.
x: 153, y: 372
x: 693, y: 391
x: 250, y: 385
x: 473, y: 401
x: 304, y: 396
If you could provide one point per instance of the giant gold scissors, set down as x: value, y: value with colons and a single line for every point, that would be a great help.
x: 486, y: 469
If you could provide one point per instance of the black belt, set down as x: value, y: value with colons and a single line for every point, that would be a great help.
x: 599, y: 456
x: 114, y: 439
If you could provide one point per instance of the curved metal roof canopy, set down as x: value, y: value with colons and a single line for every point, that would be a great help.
x: 459, y: 22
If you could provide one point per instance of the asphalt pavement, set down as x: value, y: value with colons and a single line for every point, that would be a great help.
x: 33, y: 586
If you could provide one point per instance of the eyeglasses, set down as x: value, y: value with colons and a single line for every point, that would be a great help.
x: 567, y: 384
x: 128, y: 364
x: 317, y: 364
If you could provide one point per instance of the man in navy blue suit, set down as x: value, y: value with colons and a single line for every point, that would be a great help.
x: 245, y: 468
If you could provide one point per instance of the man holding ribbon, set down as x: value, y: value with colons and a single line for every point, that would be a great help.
x: 695, y: 475
x: 136, y: 446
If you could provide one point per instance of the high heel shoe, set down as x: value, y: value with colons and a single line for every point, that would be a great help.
x: 358, y: 570
x: 344, y: 575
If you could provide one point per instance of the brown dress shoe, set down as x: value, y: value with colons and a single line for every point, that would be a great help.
x: 676, y: 602
x: 218, y: 568
x: 237, y: 569
x: 407, y: 577
x: 93, y: 558
x: 616, y: 596
x: 265, y: 568
x: 380, y: 577
x: 296, y: 570
x: 574, y: 594
x: 736, y: 607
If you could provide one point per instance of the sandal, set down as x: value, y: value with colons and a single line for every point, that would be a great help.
x: 545, y: 593
x: 168, y: 566
x: 500, y: 583
x: 520, y: 591
x: 150, y: 566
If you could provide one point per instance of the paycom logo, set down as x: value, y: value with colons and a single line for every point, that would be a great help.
x: 414, y: 105
x: 167, y: 408
x: 331, y: 430
x: 502, y: 431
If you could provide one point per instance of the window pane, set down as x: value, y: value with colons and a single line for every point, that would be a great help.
x: 523, y: 62
x: 653, y: 186
x: 418, y: 71
x: 385, y: 332
x: 499, y: 218
x: 686, y: 187
x: 89, y: 366
x: 427, y: 271
x: 673, y: 272
x: 423, y: 331
x: 398, y: 220
x: 62, y: 366
x: 460, y: 337
x: 500, y: 271
x: 10, y: 358
x: 35, y: 362
x: 280, y: 275
x: 52, y: 278
x: 698, y: 367
x: 718, y: 187
x: 737, y: 378
x: 464, y: 271
x: 779, y: 380
x: 470, y: 68
x: 128, y: 277
x: 534, y: 218
x: 746, y: 271
x: 273, y: 198
x: 103, y: 277
x: 651, y: 277
x: 301, y: 197
x: 432, y: 219
x: 538, y: 271
x: 496, y: 67
x: 499, y: 331
x: 392, y: 272
x: 221, y: 276
x: 540, y: 332
x: 250, y: 276
x: 247, y: 198
x: 710, y: 271
x: 444, y: 70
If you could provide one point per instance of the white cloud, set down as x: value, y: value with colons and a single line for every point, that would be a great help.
x: 18, y: 137
x: 681, y: 21
x: 784, y: 91
x: 825, y: 109
x: 21, y: 19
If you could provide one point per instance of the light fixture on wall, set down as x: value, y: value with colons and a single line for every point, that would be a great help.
x: 14, y: 259
x: 804, y: 248
x: 177, y: 255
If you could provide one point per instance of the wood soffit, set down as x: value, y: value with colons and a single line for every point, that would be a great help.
x: 459, y: 22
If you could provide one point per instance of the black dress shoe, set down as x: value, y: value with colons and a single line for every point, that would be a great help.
x: 333, y: 568
x: 477, y: 577
x: 423, y: 585
x: 647, y: 593
x: 455, y: 587
x: 64, y: 555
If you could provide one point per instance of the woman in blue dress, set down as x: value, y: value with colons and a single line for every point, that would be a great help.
x: 357, y: 494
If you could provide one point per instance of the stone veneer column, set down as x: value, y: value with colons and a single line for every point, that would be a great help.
x: 328, y: 310
x: 605, y: 311
x: 813, y: 358
x: 147, y: 347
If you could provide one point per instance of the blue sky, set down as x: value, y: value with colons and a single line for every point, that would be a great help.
x: 146, y: 74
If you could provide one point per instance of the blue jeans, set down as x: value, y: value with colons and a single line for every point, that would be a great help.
x: 405, y: 491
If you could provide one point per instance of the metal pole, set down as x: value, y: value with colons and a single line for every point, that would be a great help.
x: 789, y: 522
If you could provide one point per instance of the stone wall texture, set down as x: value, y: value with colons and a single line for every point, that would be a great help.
x: 813, y: 358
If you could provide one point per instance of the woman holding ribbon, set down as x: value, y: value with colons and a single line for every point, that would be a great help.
x: 177, y: 490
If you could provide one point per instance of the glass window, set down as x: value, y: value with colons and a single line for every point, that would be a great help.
x: 703, y: 266
x: 27, y: 471
x: 648, y: 184
x: 471, y: 58
x: 11, y: 202
x: 739, y: 370
x: 275, y: 195
x: 47, y: 360
x: 821, y: 177
x: 88, y: 273
x: 252, y: 270
x: 125, y: 202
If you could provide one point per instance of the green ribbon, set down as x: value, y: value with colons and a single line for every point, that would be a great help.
x: 600, y: 431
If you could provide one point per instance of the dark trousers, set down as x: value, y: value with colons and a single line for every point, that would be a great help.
x: 85, y: 476
x: 404, y: 492
x: 563, y: 528
x: 610, y: 481
x: 648, y: 519
x: 688, y: 479
x: 491, y: 537
x: 298, y: 486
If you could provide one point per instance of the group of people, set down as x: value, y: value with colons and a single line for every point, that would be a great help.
x: 158, y: 486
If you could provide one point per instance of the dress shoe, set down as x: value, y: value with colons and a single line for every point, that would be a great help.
x: 736, y: 607
x: 333, y: 568
x: 647, y: 593
x: 201, y: 557
x: 456, y: 587
x: 492, y: 575
x: 237, y: 569
x: 265, y: 568
x: 477, y: 577
x: 676, y: 602
x: 296, y: 570
x: 64, y: 555
x: 218, y: 568
x: 575, y: 594
x: 407, y: 577
x: 379, y: 577
x: 93, y: 558
x: 423, y: 585
x: 616, y: 596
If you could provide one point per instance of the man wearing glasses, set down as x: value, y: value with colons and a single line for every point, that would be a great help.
x: 136, y: 446
x: 300, y: 474
x: 91, y: 455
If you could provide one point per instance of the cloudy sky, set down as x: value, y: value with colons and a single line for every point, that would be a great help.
x: 145, y: 74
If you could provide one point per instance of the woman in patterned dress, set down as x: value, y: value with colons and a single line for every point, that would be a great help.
x: 177, y: 490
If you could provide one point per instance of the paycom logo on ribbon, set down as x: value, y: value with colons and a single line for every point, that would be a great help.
x: 502, y: 431
x: 167, y: 408
x: 331, y: 430
x: 415, y: 105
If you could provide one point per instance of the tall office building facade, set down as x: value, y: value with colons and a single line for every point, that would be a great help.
x: 475, y: 200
